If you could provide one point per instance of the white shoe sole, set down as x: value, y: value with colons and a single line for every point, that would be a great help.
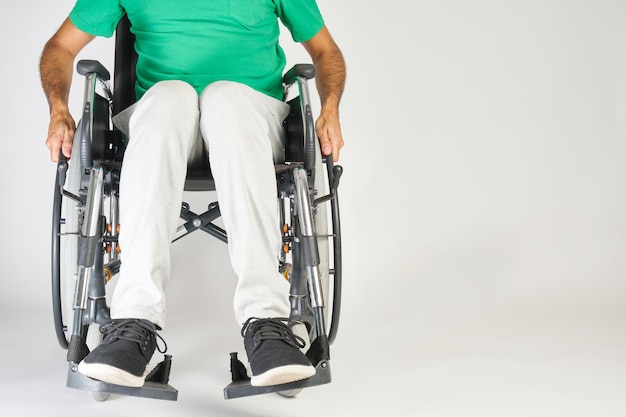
x: 110, y: 374
x: 283, y: 375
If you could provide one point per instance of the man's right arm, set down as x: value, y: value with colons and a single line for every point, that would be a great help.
x: 56, y: 70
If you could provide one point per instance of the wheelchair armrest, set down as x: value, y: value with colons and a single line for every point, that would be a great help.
x: 95, y: 118
x: 89, y: 66
x: 299, y: 70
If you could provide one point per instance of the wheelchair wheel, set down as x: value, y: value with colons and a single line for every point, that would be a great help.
x: 290, y: 393
x: 320, y: 216
x: 65, y: 229
x: 100, y: 396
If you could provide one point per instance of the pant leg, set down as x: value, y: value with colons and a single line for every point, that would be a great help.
x: 242, y: 129
x: 163, y: 128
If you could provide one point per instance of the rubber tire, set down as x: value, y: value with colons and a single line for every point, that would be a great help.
x: 65, y: 248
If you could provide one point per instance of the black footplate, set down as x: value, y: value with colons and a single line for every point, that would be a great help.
x: 155, y: 387
x: 242, y: 388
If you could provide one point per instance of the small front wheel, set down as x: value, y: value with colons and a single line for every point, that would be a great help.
x: 100, y: 396
x: 290, y: 393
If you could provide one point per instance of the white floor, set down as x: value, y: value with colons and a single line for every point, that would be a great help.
x: 558, y: 368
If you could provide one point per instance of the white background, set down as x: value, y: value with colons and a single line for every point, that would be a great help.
x: 483, y: 209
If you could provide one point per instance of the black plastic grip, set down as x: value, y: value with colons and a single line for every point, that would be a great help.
x: 77, y: 349
x: 299, y: 70
x: 90, y: 66
x: 62, y: 167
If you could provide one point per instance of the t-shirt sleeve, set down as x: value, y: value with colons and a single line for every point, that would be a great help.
x: 301, y: 17
x: 97, y: 17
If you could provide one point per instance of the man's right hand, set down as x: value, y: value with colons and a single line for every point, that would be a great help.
x: 56, y: 70
x: 60, y: 134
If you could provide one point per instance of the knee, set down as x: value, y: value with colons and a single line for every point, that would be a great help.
x: 172, y: 94
x: 169, y: 109
x: 171, y: 87
x: 224, y: 94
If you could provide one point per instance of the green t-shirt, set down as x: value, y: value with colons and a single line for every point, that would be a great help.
x: 205, y: 41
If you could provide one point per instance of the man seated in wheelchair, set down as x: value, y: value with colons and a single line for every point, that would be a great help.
x: 208, y: 74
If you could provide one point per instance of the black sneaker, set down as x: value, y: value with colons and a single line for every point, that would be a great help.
x: 274, y: 352
x: 124, y: 353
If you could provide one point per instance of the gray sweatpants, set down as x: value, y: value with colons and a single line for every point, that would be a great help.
x: 242, y: 131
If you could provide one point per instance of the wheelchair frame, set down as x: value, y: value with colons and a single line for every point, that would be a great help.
x: 92, y: 246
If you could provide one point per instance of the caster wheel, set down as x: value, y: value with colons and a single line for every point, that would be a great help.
x: 100, y: 396
x: 290, y: 393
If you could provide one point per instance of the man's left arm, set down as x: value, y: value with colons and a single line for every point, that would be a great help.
x: 330, y: 80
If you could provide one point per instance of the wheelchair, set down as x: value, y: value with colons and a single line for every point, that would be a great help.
x: 85, y: 227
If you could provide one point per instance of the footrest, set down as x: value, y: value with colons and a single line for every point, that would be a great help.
x: 155, y: 390
x: 242, y: 388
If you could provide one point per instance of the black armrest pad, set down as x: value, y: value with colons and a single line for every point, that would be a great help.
x: 299, y: 70
x: 88, y: 66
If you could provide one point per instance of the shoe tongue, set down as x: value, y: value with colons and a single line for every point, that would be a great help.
x: 275, y: 330
x: 131, y: 330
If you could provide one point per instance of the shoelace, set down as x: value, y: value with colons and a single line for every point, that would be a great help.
x: 132, y: 330
x: 272, y: 329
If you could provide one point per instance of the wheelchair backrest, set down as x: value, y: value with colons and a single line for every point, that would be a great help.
x: 124, y: 76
